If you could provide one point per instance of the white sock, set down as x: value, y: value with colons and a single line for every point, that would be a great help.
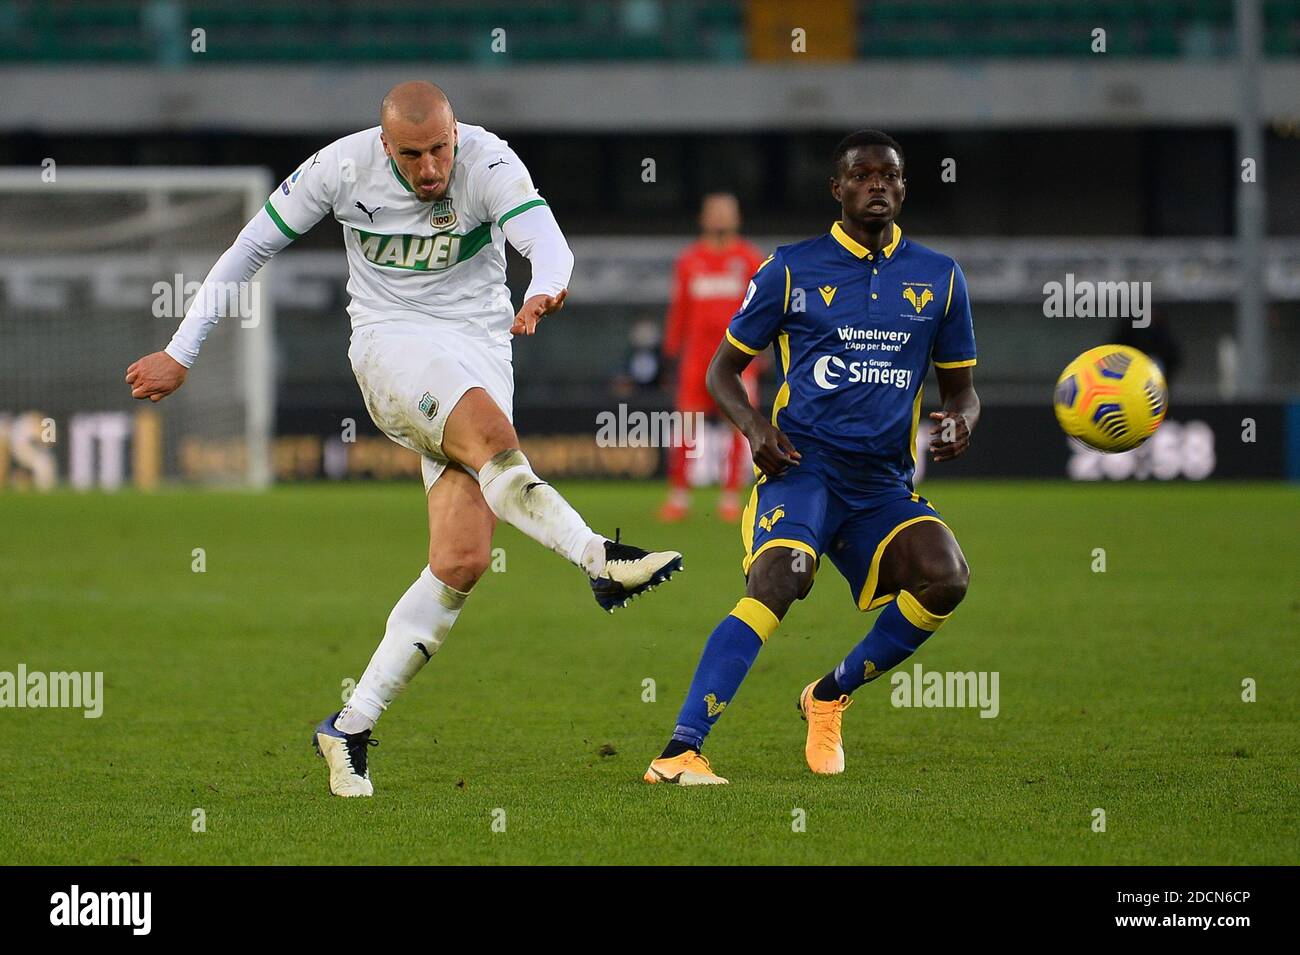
x: 523, y: 500
x: 416, y: 628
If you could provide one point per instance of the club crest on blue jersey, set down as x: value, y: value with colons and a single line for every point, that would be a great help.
x: 919, y: 294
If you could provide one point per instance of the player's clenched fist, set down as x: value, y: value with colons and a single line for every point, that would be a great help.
x: 772, y: 450
x: 533, y: 310
x: 155, y: 376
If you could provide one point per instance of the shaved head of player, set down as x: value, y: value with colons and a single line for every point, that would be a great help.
x: 419, y: 135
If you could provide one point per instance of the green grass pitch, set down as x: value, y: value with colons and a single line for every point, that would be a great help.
x: 1119, y: 690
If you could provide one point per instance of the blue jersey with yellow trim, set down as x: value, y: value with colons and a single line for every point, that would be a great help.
x: 855, y: 333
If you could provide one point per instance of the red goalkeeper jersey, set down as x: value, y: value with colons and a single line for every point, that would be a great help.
x: 708, y: 286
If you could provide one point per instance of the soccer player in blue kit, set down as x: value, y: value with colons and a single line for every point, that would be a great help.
x: 856, y: 316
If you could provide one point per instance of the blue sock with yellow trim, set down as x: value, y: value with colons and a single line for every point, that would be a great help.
x: 900, y: 629
x: 728, y: 654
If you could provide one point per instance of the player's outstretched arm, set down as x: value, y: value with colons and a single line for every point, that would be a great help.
x: 299, y: 203
x: 537, y: 237
x: 772, y: 450
x: 950, y: 434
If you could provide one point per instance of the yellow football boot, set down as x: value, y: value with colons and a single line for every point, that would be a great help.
x: 685, y: 769
x: 824, y: 749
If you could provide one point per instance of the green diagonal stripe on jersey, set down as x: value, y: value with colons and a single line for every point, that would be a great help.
x: 422, y: 253
x: 473, y: 240
x: 275, y: 217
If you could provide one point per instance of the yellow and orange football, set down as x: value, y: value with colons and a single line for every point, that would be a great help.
x: 1112, y: 398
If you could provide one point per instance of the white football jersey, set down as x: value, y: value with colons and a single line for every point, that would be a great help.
x: 440, y: 261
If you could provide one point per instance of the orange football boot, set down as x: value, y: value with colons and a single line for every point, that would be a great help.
x: 824, y: 749
x: 685, y: 769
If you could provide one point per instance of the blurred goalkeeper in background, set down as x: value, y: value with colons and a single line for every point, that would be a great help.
x: 709, y: 282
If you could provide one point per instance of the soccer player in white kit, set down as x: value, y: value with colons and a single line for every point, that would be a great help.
x: 426, y: 204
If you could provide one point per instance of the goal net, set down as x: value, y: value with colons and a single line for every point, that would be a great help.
x: 97, y: 267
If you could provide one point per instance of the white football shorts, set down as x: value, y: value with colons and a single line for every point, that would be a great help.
x: 412, y: 375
